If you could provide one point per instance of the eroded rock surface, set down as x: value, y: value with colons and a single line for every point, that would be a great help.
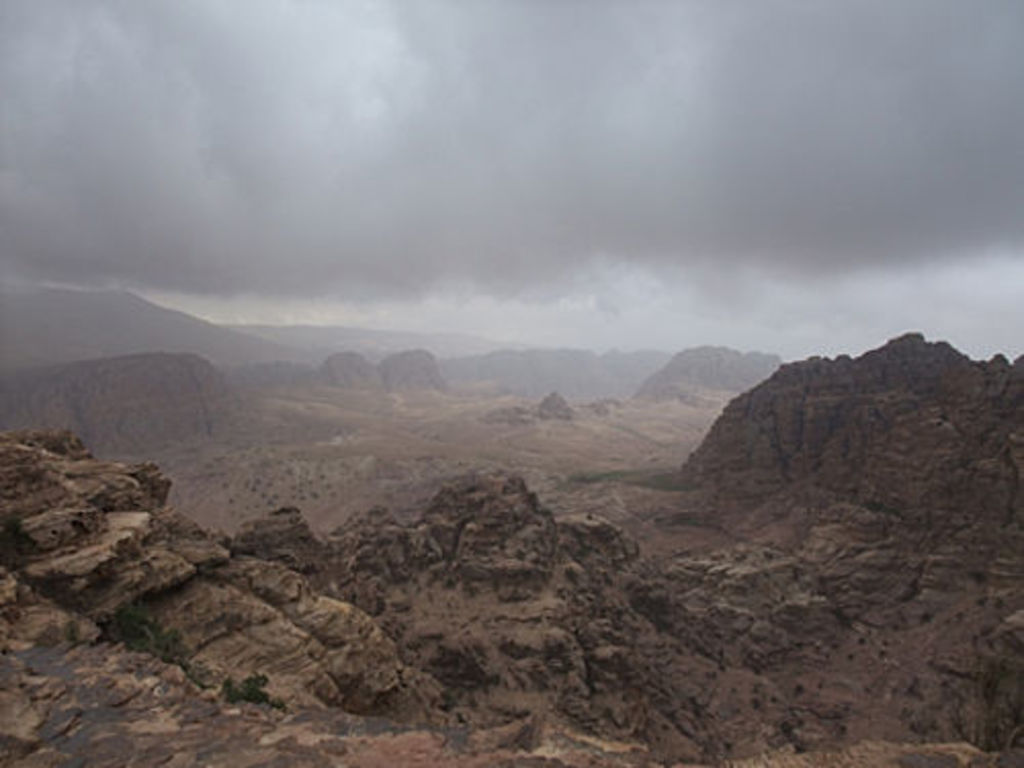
x: 86, y: 540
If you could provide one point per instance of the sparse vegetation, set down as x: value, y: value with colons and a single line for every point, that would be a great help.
x: 251, y: 689
x: 71, y: 634
x: 139, y: 631
x: 14, y: 542
x: 999, y: 701
x: 993, y: 717
x: 657, y: 480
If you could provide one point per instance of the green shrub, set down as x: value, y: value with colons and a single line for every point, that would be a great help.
x: 251, y: 689
x: 992, y: 717
x: 137, y: 629
x: 14, y: 542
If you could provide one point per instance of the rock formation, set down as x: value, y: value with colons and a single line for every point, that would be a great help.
x: 872, y: 591
x: 715, y: 368
x: 122, y: 405
x: 415, y: 369
x: 90, y: 551
x: 351, y: 370
x: 886, y: 490
x: 554, y: 406
x: 912, y: 425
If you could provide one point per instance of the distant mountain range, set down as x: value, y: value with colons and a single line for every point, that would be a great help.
x: 43, y: 327
x: 574, y: 373
x: 47, y: 327
x: 316, y: 342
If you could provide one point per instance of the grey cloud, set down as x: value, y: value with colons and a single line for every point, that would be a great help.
x: 378, y: 150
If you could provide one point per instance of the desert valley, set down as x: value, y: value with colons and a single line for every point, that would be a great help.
x: 736, y: 561
x: 511, y: 384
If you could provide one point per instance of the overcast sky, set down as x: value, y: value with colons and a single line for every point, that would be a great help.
x: 799, y: 177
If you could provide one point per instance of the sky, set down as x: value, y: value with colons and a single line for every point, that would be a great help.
x: 796, y: 177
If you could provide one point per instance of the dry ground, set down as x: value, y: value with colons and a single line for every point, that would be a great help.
x: 333, y: 453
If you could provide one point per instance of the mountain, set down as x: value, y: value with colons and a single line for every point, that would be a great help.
x: 122, y: 405
x: 46, y: 326
x: 885, y: 489
x: 576, y: 373
x: 350, y: 370
x: 414, y: 369
x: 319, y: 341
x: 718, y: 368
x: 911, y: 425
x: 864, y: 604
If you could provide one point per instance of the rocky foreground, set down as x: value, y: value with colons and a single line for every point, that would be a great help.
x: 871, y: 615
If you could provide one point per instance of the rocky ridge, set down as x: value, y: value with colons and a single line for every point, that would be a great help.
x: 91, y: 551
x: 854, y: 604
x: 850, y: 607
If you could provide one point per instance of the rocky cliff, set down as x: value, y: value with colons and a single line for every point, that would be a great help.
x: 885, y: 489
x: 121, y: 405
x: 913, y: 425
x: 846, y: 636
x: 716, y: 368
x: 90, y: 552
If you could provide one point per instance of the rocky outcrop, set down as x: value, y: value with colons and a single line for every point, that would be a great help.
x: 554, y: 406
x: 350, y: 370
x: 123, y: 405
x: 879, y: 498
x: 911, y: 425
x: 707, y: 368
x: 97, y: 705
x: 515, y: 612
x: 283, y: 536
x: 90, y: 548
x: 547, y: 638
x: 415, y: 369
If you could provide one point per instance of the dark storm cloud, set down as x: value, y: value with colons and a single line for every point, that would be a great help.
x: 359, y: 149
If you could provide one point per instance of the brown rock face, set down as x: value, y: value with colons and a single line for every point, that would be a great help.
x: 910, y: 425
x: 531, y: 630
x: 880, y: 498
x: 707, y: 368
x: 350, y: 370
x: 91, y: 544
x: 516, y: 613
x: 283, y: 536
x: 415, y: 369
x: 121, y: 405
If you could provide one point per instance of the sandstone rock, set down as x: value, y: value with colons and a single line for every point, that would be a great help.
x: 90, y: 539
x: 283, y: 536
